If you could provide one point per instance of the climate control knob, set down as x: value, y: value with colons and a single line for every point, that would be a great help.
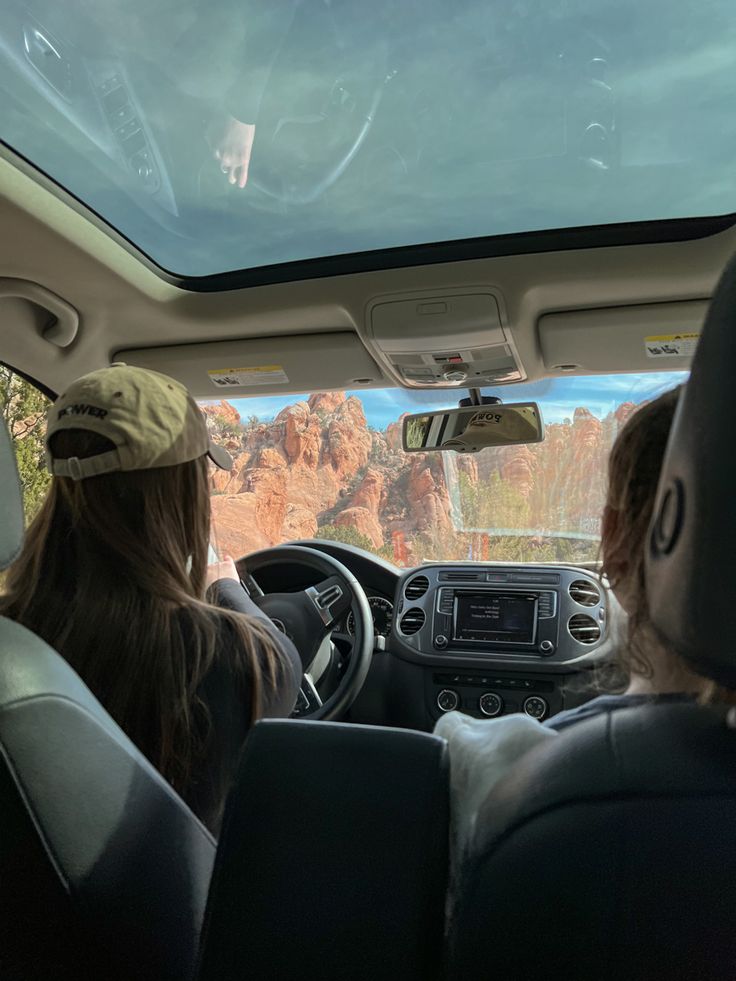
x: 447, y: 700
x: 490, y: 704
x: 536, y: 706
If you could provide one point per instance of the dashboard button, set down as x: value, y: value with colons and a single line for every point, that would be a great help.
x: 536, y: 707
x: 447, y: 700
x: 547, y: 647
x: 440, y: 642
x: 490, y: 704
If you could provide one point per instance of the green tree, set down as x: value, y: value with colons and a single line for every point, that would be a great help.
x: 347, y: 535
x: 491, y: 504
x: 24, y: 414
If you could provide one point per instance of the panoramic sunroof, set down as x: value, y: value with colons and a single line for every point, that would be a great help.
x: 231, y: 135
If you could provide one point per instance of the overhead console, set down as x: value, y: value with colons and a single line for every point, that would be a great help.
x: 511, y: 615
x: 447, y: 339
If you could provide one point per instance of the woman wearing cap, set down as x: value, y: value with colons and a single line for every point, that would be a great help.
x: 113, y: 575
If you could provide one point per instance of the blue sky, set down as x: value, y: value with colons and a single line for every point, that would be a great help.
x: 558, y: 397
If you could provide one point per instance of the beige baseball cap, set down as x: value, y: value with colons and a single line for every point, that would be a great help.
x: 151, y: 418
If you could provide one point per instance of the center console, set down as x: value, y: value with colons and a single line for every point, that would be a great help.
x: 496, y: 638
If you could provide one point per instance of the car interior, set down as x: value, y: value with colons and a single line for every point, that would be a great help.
x: 519, y: 211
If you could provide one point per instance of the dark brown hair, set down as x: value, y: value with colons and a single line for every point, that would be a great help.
x: 634, y: 467
x: 112, y: 575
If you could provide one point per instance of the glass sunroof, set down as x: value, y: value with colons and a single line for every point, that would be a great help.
x: 233, y: 134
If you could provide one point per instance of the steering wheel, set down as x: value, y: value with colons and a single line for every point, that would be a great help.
x: 308, y: 617
x: 304, y: 187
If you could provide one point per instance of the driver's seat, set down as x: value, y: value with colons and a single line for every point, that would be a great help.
x: 103, y: 870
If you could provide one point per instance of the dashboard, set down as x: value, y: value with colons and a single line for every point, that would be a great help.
x: 484, y: 639
x: 382, y: 609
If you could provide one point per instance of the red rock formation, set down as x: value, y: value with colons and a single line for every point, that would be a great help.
x: 236, y: 530
x: 394, y: 432
x: 586, y: 427
x: 429, y: 501
x: 222, y: 410
x: 369, y: 493
x: 269, y: 489
x: 271, y: 458
x: 295, y: 468
x: 231, y: 481
x: 326, y: 401
x: 317, y: 463
x: 518, y: 469
x: 622, y: 412
x: 299, y: 523
x: 349, y: 442
x: 364, y: 522
x: 302, y: 435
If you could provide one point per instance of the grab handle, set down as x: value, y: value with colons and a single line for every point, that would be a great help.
x: 63, y: 326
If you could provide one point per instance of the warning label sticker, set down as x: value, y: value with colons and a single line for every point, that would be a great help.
x: 671, y: 345
x: 262, y: 374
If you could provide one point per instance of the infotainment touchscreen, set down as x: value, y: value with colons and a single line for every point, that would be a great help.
x: 495, y: 617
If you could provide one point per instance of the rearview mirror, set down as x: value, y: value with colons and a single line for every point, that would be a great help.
x: 469, y: 430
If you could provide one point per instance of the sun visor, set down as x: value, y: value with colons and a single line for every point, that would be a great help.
x: 650, y: 337
x: 263, y: 366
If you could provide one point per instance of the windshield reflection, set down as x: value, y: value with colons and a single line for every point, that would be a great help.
x: 226, y: 135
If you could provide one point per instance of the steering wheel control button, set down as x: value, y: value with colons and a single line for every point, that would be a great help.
x: 546, y: 647
x: 490, y: 704
x: 302, y: 705
x: 448, y: 700
x: 440, y: 642
x: 536, y: 707
x: 325, y: 600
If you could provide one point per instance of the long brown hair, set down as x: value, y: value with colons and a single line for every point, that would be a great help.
x: 112, y: 575
x: 634, y: 467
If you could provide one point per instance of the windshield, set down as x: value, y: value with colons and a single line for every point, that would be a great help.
x: 330, y: 465
x: 220, y: 135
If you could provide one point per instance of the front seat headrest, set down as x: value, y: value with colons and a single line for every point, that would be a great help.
x: 691, y: 555
x: 11, y: 503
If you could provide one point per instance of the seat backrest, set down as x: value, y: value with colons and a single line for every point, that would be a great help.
x: 333, y: 857
x: 608, y: 854
x: 690, y: 574
x: 103, y: 869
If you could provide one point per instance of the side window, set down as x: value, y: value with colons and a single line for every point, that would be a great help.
x: 24, y: 414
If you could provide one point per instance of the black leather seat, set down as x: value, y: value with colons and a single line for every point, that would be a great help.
x: 332, y: 862
x: 103, y: 870
x: 609, y: 852
x: 608, y: 855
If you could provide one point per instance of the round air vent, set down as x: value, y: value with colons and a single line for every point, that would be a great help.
x: 584, y: 629
x: 412, y: 621
x: 416, y: 587
x: 585, y: 592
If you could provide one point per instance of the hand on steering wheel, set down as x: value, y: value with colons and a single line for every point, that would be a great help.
x: 233, y: 147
